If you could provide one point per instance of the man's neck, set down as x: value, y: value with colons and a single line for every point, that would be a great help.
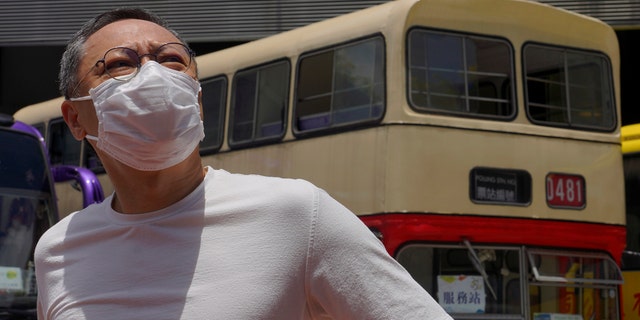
x: 142, y: 191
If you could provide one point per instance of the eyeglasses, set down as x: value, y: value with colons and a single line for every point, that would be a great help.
x: 122, y: 63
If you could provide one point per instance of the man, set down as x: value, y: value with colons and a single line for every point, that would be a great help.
x: 179, y: 241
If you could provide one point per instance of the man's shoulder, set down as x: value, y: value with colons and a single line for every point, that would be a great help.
x: 254, y: 182
x: 264, y: 191
x: 84, y: 218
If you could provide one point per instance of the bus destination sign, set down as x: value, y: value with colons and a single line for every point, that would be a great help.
x: 500, y: 186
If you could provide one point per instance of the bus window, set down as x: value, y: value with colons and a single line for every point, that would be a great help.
x: 214, y: 102
x: 460, y: 74
x: 258, y: 105
x: 568, y: 88
x: 341, y: 86
x: 486, y: 282
x: 574, y: 283
x: 489, y: 286
x: 63, y: 147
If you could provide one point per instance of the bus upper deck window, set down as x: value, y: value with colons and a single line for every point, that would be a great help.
x: 568, y: 88
x: 460, y: 74
x: 340, y: 87
x: 214, y: 102
x: 258, y: 104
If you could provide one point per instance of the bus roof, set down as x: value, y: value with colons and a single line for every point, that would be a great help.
x: 520, y: 16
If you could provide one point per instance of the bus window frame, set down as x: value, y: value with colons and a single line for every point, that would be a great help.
x: 535, y: 254
x: 513, y: 99
x: 450, y: 249
x: 565, y: 50
x: 217, y: 145
x: 342, y: 127
x: 259, y: 141
x: 528, y: 262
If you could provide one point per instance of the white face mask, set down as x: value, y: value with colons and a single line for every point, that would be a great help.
x: 150, y: 122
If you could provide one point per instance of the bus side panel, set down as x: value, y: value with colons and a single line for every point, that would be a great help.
x: 432, y: 166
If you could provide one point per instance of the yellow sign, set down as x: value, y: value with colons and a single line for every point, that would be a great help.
x: 631, y: 295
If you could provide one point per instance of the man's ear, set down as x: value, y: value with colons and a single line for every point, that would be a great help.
x: 70, y: 115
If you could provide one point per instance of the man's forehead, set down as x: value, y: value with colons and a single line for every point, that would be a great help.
x: 133, y: 33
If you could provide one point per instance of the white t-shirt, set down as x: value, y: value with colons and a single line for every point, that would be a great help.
x: 237, y: 247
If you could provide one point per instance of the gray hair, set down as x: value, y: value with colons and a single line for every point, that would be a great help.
x: 71, y: 57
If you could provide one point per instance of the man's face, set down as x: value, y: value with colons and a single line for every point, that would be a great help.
x: 142, y: 36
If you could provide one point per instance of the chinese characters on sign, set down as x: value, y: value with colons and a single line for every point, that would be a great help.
x: 505, y: 186
x: 461, y: 294
x: 492, y: 188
